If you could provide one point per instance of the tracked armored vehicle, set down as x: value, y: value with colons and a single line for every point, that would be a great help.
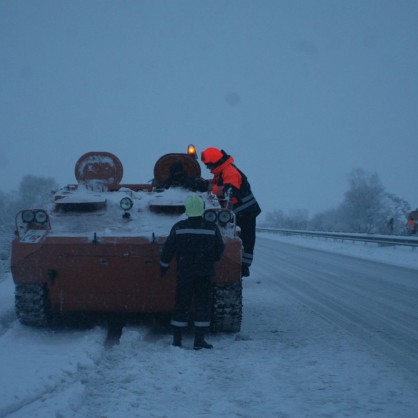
x: 95, y: 248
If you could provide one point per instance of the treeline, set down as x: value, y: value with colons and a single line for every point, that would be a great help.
x: 33, y: 192
x: 366, y: 208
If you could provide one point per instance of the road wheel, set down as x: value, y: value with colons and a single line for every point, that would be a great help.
x: 32, y: 304
x: 227, y: 308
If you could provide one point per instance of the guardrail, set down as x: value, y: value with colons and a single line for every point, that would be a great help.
x: 378, y: 239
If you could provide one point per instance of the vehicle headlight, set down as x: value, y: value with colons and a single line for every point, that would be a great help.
x: 28, y: 216
x: 41, y: 217
x: 210, y: 215
x: 224, y: 216
x: 126, y: 203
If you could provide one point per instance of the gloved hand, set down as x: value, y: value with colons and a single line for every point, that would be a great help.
x: 200, y: 184
x: 163, y: 271
x: 195, y: 184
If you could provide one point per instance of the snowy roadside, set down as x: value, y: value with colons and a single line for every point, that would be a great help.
x: 401, y: 256
x: 288, y: 361
x: 39, y: 362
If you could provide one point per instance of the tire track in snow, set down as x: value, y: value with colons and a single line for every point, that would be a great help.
x: 50, y: 366
x: 7, y: 318
x: 7, y: 312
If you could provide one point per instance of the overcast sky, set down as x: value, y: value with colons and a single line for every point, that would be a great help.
x: 298, y: 92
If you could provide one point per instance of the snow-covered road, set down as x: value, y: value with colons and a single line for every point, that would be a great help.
x: 323, y: 335
x: 375, y: 302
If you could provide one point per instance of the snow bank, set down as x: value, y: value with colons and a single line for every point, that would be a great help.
x: 402, y: 256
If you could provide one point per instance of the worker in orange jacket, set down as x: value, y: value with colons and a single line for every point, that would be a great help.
x: 232, y: 184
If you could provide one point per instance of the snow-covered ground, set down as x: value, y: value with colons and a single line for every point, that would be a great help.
x: 287, y: 361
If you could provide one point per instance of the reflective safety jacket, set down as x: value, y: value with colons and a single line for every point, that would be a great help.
x: 229, y: 179
x: 197, y: 244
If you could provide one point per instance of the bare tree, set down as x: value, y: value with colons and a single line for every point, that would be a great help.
x: 366, y: 208
x: 330, y: 220
x: 295, y: 219
x: 275, y: 219
x: 398, y: 209
x: 34, y: 192
x: 363, y: 209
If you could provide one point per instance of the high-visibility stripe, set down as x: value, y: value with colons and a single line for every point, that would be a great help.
x: 248, y: 256
x: 245, y: 206
x: 247, y: 198
x: 178, y: 323
x: 195, y: 231
x: 201, y: 324
x: 247, y: 259
x: 162, y: 264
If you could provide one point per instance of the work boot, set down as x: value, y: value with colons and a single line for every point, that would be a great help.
x: 177, y: 337
x: 199, y: 341
x: 245, y: 271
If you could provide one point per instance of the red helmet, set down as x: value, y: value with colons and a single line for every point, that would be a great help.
x: 211, y: 155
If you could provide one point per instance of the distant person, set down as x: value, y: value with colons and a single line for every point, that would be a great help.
x: 197, y: 244
x: 231, y: 183
x: 411, y: 226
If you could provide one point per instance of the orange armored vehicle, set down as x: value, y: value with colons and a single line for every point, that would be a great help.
x: 96, y: 247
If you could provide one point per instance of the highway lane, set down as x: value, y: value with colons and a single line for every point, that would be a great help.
x: 375, y: 302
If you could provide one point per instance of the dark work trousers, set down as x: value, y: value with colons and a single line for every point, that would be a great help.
x: 187, y: 288
x: 247, y: 225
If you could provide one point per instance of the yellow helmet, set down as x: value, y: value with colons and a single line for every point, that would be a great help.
x: 195, y: 206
